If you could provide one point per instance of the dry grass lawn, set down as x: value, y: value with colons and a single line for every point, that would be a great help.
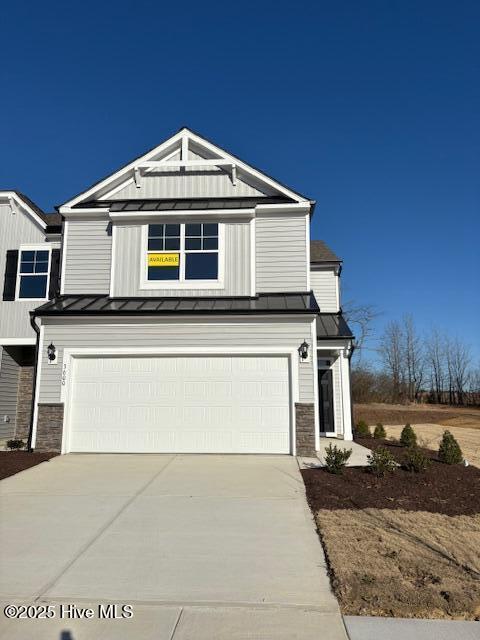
x: 447, y: 416
x: 403, y: 563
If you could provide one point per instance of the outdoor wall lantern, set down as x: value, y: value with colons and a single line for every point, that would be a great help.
x: 51, y: 352
x: 303, y: 350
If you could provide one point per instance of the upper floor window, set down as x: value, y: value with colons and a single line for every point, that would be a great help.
x: 183, y: 252
x: 33, y: 274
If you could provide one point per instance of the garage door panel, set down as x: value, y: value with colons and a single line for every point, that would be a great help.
x: 236, y: 404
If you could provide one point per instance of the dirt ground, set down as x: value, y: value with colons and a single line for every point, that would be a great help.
x: 391, y: 414
x: 12, y: 462
x: 409, y: 541
x: 410, y: 564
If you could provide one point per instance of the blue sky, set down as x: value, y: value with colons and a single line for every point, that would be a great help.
x: 371, y: 108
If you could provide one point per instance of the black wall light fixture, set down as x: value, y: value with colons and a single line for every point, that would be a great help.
x: 303, y: 350
x: 51, y: 352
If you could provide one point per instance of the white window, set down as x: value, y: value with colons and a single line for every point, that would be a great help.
x: 33, y: 273
x: 183, y: 255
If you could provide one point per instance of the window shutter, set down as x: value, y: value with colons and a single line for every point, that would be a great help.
x: 10, y: 281
x: 54, y: 286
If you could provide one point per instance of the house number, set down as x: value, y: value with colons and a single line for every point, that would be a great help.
x: 64, y: 374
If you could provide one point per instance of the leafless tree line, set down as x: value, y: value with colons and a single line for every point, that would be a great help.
x: 434, y: 368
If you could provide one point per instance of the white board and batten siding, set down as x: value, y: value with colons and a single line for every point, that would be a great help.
x: 324, y: 283
x: 16, y: 229
x: 88, y: 252
x: 281, y: 259
x: 129, y: 262
x: 9, y: 371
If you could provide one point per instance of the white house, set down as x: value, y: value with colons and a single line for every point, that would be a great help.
x: 191, y: 313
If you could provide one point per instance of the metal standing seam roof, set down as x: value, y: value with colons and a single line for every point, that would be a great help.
x: 104, y: 305
x: 332, y: 325
x: 182, y: 204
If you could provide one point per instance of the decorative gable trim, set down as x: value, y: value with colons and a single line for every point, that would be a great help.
x: 178, y: 147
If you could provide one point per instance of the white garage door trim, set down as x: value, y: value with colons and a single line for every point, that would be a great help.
x: 70, y: 354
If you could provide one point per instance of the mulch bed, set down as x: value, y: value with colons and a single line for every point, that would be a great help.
x: 12, y: 462
x: 448, y: 489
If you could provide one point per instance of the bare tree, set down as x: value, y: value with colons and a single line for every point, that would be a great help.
x: 435, y: 353
x: 360, y: 318
x: 458, y: 362
x: 391, y: 354
x: 413, y: 359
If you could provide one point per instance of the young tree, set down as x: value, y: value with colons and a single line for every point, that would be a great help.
x: 360, y: 317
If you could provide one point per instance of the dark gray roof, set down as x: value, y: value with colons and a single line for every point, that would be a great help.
x: 53, y: 220
x: 319, y: 252
x: 104, y: 305
x: 182, y: 204
x: 332, y: 325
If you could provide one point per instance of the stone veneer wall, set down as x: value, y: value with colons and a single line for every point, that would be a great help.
x: 24, y: 402
x: 49, y: 427
x: 305, y: 428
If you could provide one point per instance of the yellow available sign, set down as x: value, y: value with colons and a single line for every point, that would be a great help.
x: 163, y: 259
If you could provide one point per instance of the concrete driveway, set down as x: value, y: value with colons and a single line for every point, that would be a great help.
x: 200, y: 546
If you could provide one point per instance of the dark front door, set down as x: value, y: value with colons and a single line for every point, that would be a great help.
x: 325, y: 399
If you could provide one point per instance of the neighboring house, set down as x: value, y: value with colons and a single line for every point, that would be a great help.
x: 29, y: 260
x: 186, y: 320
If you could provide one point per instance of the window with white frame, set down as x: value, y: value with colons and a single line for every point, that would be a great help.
x: 183, y: 252
x: 33, y: 274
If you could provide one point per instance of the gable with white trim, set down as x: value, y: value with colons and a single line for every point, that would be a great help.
x: 184, y: 166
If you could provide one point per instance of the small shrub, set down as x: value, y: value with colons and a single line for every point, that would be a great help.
x: 336, y: 459
x: 449, y: 450
x: 408, y: 437
x: 379, y: 432
x: 381, y: 462
x: 15, y: 444
x: 416, y: 460
x: 362, y: 429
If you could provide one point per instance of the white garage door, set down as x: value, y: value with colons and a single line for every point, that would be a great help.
x: 184, y: 404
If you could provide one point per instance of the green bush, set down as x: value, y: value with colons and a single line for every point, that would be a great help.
x: 408, y: 437
x: 449, y: 450
x: 336, y: 459
x: 362, y: 429
x: 379, y: 432
x: 416, y: 460
x: 15, y: 444
x: 381, y: 462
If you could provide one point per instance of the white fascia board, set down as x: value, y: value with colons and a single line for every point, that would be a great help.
x: 13, y: 342
x: 78, y: 214
x: 175, y: 320
x: 294, y: 207
x: 174, y: 213
x: 11, y: 195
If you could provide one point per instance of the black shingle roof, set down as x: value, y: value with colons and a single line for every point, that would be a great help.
x: 319, y: 252
x: 274, y: 303
x: 53, y: 220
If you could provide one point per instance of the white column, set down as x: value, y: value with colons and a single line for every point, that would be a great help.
x: 346, y: 399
